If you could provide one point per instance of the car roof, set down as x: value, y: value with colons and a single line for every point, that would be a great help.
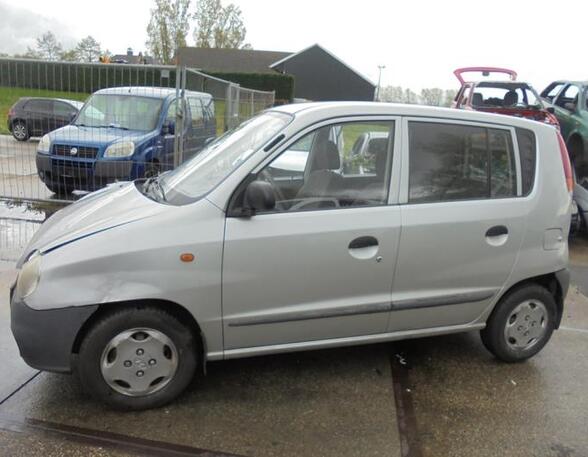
x: 565, y: 81
x: 152, y: 92
x: 319, y: 111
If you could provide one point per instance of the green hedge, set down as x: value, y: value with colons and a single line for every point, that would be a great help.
x: 282, y: 84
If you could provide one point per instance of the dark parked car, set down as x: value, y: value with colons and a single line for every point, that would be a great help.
x: 37, y: 116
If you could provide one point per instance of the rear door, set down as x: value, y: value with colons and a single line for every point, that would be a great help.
x: 566, y: 105
x: 462, y: 221
x: 319, y: 266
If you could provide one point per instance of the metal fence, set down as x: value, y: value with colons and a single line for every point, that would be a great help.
x: 145, y: 120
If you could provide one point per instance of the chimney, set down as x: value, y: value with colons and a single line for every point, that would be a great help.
x: 130, y: 52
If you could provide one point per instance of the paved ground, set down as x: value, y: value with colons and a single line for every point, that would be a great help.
x: 442, y: 396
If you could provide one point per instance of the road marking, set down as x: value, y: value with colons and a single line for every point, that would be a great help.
x: 410, y: 445
x: 115, y: 441
x: 19, y: 388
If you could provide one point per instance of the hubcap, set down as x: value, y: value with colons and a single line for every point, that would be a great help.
x: 526, y: 325
x: 139, y: 362
x: 19, y: 131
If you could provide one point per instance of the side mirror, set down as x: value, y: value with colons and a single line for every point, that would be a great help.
x: 551, y: 109
x: 570, y: 106
x: 259, y: 196
x: 168, y: 128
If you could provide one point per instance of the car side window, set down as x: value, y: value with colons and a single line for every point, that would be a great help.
x: 310, y: 175
x: 568, y: 95
x: 465, y: 95
x: 451, y: 162
x: 63, y: 109
x: 552, y: 90
x: 40, y: 106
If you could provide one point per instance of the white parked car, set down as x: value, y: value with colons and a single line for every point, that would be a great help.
x: 461, y: 226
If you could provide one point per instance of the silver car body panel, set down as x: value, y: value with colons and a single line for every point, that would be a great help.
x: 288, y: 281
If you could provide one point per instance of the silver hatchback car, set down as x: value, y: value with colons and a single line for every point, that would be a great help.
x: 458, y: 223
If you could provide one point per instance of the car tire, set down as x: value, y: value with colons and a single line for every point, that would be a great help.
x: 164, y: 333
x: 20, y: 131
x: 60, y: 189
x: 521, y: 324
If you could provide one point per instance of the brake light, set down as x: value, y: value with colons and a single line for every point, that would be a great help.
x: 565, y: 160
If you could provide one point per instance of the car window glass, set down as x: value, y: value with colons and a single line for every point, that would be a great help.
x: 553, y: 91
x: 454, y: 162
x: 505, y: 96
x: 44, y: 106
x: 569, y: 95
x: 465, y: 95
x: 319, y: 171
x: 63, y: 109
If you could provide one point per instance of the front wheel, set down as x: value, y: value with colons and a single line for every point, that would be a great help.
x: 521, y: 323
x: 137, y: 358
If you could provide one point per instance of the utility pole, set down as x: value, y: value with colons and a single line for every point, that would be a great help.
x: 380, y: 68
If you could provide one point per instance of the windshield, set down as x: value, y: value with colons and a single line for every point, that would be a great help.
x: 200, y: 175
x: 129, y: 112
x: 501, y: 95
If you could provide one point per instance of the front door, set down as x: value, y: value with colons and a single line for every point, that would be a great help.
x: 462, y: 224
x: 320, y: 266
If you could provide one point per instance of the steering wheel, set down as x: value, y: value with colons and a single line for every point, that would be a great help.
x: 276, y: 188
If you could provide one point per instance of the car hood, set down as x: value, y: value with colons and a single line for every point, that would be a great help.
x: 116, y: 205
x: 74, y: 134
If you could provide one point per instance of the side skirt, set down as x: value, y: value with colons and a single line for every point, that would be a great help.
x: 349, y: 341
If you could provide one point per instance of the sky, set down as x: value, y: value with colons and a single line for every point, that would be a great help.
x: 419, y: 42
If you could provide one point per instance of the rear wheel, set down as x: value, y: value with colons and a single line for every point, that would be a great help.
x: 137, y: 358
x: 20, y: 131
x: 521, y: 323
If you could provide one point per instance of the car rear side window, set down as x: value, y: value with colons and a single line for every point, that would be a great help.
x: 450, y: 162
x: 528, y: 155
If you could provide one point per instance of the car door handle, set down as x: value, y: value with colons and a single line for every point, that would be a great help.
x: 497, y: 230
x: 363, y: 242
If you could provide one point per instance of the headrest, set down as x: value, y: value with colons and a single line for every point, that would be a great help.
x: 477, y: 99
x: 327, y: 157
x: 511, y: 98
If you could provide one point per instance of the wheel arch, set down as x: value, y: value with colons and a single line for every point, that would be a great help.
x: 176, y: 310
x: 549, y: 281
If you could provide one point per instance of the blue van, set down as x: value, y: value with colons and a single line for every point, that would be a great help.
x: 122, y: 134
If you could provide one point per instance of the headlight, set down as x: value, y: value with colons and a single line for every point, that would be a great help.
x: 122, y: 149
x: 44, y: 145
x: 29, y: 275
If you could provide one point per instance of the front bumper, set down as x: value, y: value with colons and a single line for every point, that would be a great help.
x: 83, y: 174
x: 46, y: 338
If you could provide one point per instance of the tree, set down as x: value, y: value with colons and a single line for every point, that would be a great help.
x: 168, y: 28
x: 449, y: 97
x: 433, y: 97
x: 88, y: 49
x: 48, y: 47
x: 69, y: 56
x: 409, y: 97
x: 218, y: 26
x: 392, y: 94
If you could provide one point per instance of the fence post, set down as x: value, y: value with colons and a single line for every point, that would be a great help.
x: 180, y: 79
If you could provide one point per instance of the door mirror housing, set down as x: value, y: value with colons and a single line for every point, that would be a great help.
x: 259, y: 196
x: 551, y: 109
x: 570, y: 106
x: 169, y: 127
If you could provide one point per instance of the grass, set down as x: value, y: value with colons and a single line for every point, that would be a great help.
x: 10, y: 95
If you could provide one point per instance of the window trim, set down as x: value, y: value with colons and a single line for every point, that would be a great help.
x: 393, y: 190
x: 405, y: 152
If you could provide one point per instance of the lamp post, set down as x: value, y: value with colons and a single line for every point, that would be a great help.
x: 380, y: 68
